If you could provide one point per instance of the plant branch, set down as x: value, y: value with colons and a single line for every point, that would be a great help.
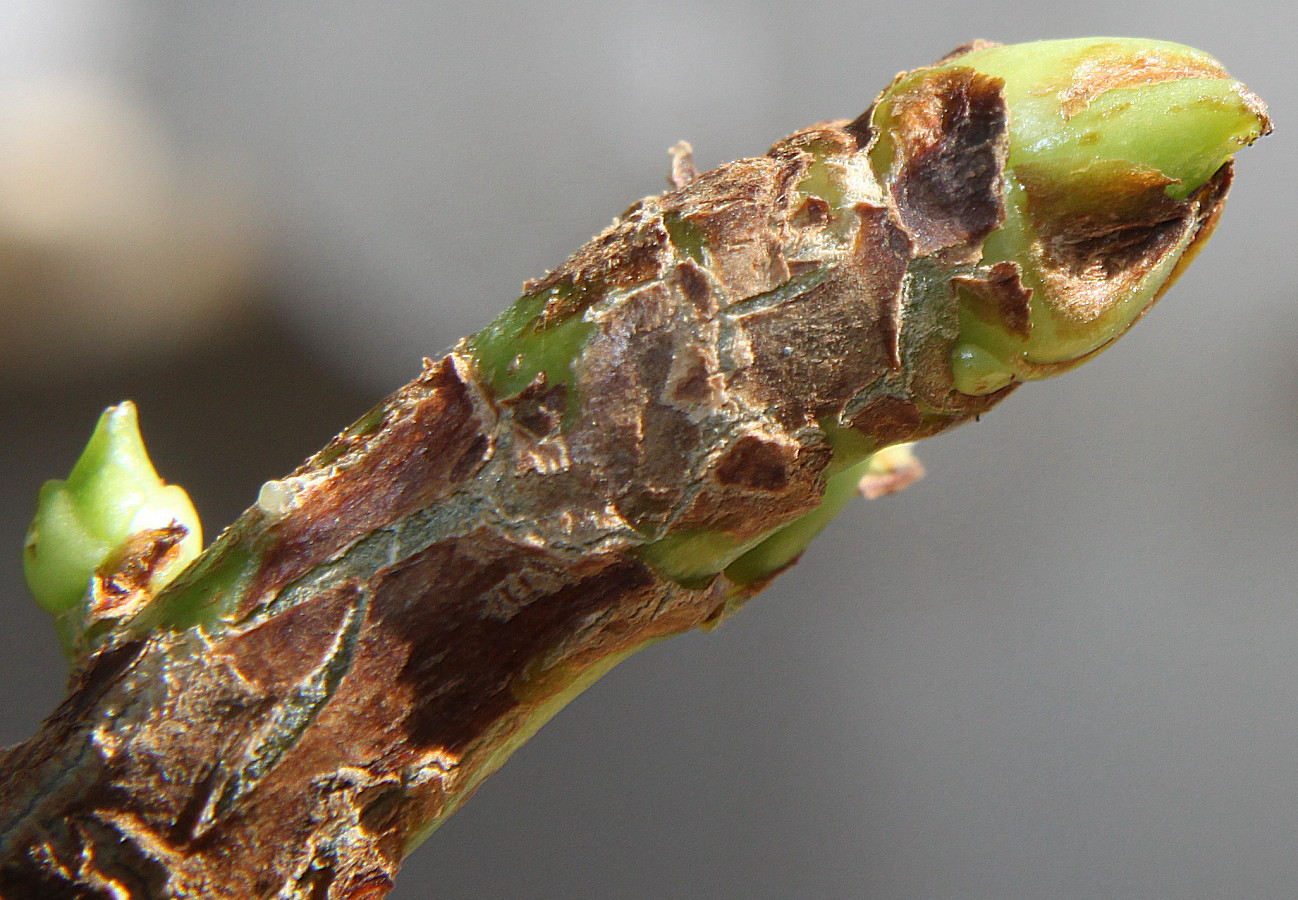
x: 640, y: 444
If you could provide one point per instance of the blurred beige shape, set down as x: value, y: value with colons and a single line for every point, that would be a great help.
x: 109, y: 249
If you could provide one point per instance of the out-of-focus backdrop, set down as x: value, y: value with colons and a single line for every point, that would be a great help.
x: 1065, y: 665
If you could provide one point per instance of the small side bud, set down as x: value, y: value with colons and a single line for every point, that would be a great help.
x: 890, y: 470
x: 109, y: 536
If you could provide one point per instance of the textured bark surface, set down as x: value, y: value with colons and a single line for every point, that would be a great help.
x: 359, y: 651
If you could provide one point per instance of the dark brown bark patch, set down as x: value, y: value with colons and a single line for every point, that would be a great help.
x: 694, y: 382
x: 1107, y: 196
x: 286, y: 648
x: 538, y: 409
x: 696, y: 288
x: 380, y: 808
x: 756, y: 464
x: 427, y: 447
x: 1104, y: 234
x: 735, y: 499
x: 950, y: 147
x: 120, y: 586
x: 813, y: 213
x: 997, y: 296
x: 860, y: 129
x: 889, y: 420
x: 471, y: 613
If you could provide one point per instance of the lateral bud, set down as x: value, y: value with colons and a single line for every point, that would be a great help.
x: 109, y: 537
x: 890, y: 470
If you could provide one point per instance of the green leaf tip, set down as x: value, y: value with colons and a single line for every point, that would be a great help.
x: 112, y: 510
x: 1116, y: 161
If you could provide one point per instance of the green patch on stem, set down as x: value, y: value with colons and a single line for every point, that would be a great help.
x: 686, y: 237
x: 850, y: 446
x: 693, y: 557
x: 520, y: 345
x: 206, y: 593
x: 366, y: 425
x: 786, y: 544
x: 824, y: 182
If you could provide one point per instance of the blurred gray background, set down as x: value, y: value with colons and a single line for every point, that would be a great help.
x: 1064, y: 665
